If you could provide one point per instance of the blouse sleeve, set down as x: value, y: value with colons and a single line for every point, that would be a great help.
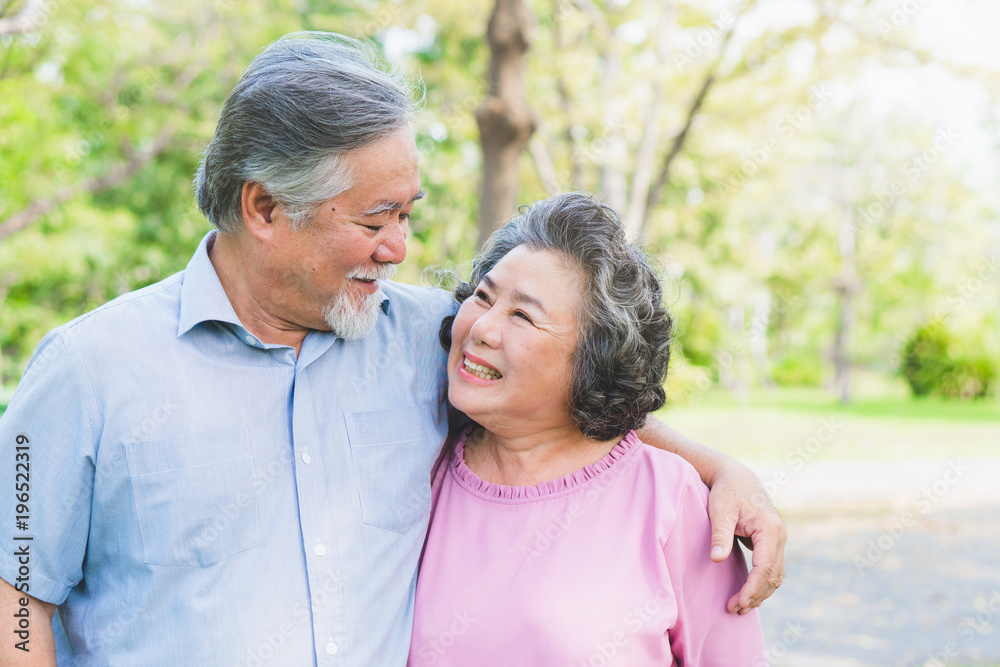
x: 705, y: 634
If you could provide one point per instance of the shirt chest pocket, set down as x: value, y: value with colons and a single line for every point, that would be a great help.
x: 393, y: 451
x: 195, y: 497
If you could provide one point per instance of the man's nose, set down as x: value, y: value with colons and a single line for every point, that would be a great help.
x: 392, y: 245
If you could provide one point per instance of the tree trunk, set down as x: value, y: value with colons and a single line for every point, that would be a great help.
x: 642, y: 177
x: 759, y: 340
x: 614, y: 185
x: 543, y: 162
x: 846, y: 286
x: 763, y: 302
x: 505, y: 121
x: 638, y: 224
x: 730, y: 361
x: 575, y: 158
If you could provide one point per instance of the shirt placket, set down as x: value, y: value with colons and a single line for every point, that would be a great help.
x: 323, y: 567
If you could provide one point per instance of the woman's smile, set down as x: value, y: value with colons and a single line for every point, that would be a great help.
x: 479, y: 369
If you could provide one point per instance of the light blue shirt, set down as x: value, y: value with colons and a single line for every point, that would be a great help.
x: 198, y: 497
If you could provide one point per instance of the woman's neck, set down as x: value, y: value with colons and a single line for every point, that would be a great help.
x: 528, y: 460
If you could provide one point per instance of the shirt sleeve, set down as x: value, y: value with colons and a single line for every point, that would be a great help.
x: 48, y: 440
x: 705, y: 634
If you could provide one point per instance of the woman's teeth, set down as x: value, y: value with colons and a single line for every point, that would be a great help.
x: 481, y: 371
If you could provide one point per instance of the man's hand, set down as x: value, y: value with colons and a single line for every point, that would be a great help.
x: 41, y: 647
x: 738, y: 506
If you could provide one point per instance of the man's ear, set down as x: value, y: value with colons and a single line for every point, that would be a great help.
x: 258, y: 209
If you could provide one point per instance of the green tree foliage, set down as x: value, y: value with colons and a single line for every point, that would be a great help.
x: 105, y: 110
x: 793, y: 144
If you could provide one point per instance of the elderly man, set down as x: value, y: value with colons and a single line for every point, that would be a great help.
x: 231, y: 466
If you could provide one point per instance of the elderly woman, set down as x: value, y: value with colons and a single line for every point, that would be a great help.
x: 557, y: 536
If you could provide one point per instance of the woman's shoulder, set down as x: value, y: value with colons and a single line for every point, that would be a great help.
x: 672, y: 487
x: 668, y: 467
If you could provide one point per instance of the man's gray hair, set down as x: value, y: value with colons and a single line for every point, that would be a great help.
x: 301, y: 105
x: 623, y: 351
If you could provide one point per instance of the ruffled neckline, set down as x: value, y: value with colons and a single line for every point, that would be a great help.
x: 566, y: 484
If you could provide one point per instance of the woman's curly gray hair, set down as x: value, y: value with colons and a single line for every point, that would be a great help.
x: 625, y: 331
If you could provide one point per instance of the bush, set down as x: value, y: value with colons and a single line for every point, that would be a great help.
x: 925, y: 358
x: 801, y: 370
x: 930, y: 367
x: 969, y: 379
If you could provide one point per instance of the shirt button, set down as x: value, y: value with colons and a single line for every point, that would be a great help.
x: 331, y: 648
x: 306, y: 458
x: 319, y: 549
x: 250, y: 339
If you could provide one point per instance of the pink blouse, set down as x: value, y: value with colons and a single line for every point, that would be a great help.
x: 606, y: 566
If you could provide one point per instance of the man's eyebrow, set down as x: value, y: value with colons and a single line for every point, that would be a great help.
x: 392, y: 205
x: 517, y: 295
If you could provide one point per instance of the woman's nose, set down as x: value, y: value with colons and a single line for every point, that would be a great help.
x: 485, y: 329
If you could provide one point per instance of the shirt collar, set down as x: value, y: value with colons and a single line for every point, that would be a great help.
x: 202, y: 297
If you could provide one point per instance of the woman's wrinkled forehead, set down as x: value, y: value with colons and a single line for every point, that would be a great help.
x: 539, y: 278
x: 563, y: 259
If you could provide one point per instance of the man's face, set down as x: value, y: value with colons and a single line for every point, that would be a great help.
x: 327, y: 273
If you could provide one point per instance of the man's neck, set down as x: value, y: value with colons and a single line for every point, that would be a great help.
x: 245, y: 293
x: 527, y: 460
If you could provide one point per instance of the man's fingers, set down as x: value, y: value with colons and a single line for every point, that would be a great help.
x: 734, y: 604
x: 765, y: 576
x: 723, y: 518
x: 754, y: 591
x: 721, y: 548
x: 731, y: 514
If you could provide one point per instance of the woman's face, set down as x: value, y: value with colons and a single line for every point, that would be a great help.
x: 513, y: 341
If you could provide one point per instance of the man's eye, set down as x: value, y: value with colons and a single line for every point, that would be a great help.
x: 373, y: 228
x: 404, y: 216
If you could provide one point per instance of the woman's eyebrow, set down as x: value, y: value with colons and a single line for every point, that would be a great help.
x: 517, y: 295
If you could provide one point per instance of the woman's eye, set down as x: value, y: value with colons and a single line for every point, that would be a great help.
x: 523, y: 316
x: 481, y: 295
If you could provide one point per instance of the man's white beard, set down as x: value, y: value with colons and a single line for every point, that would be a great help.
x: 352, y: 315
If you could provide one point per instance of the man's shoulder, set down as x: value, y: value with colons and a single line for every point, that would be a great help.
x: 101, y: 335
x: 147, y: 308
x: 415, y: 314
x: 406, y: 298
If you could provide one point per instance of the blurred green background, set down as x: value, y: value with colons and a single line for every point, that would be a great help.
x: 826, y: 216
x: 816, y: 178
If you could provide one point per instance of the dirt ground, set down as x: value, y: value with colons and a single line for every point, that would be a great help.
x: 890, y: 588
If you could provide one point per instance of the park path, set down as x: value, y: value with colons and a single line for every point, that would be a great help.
x: 888, y: 564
